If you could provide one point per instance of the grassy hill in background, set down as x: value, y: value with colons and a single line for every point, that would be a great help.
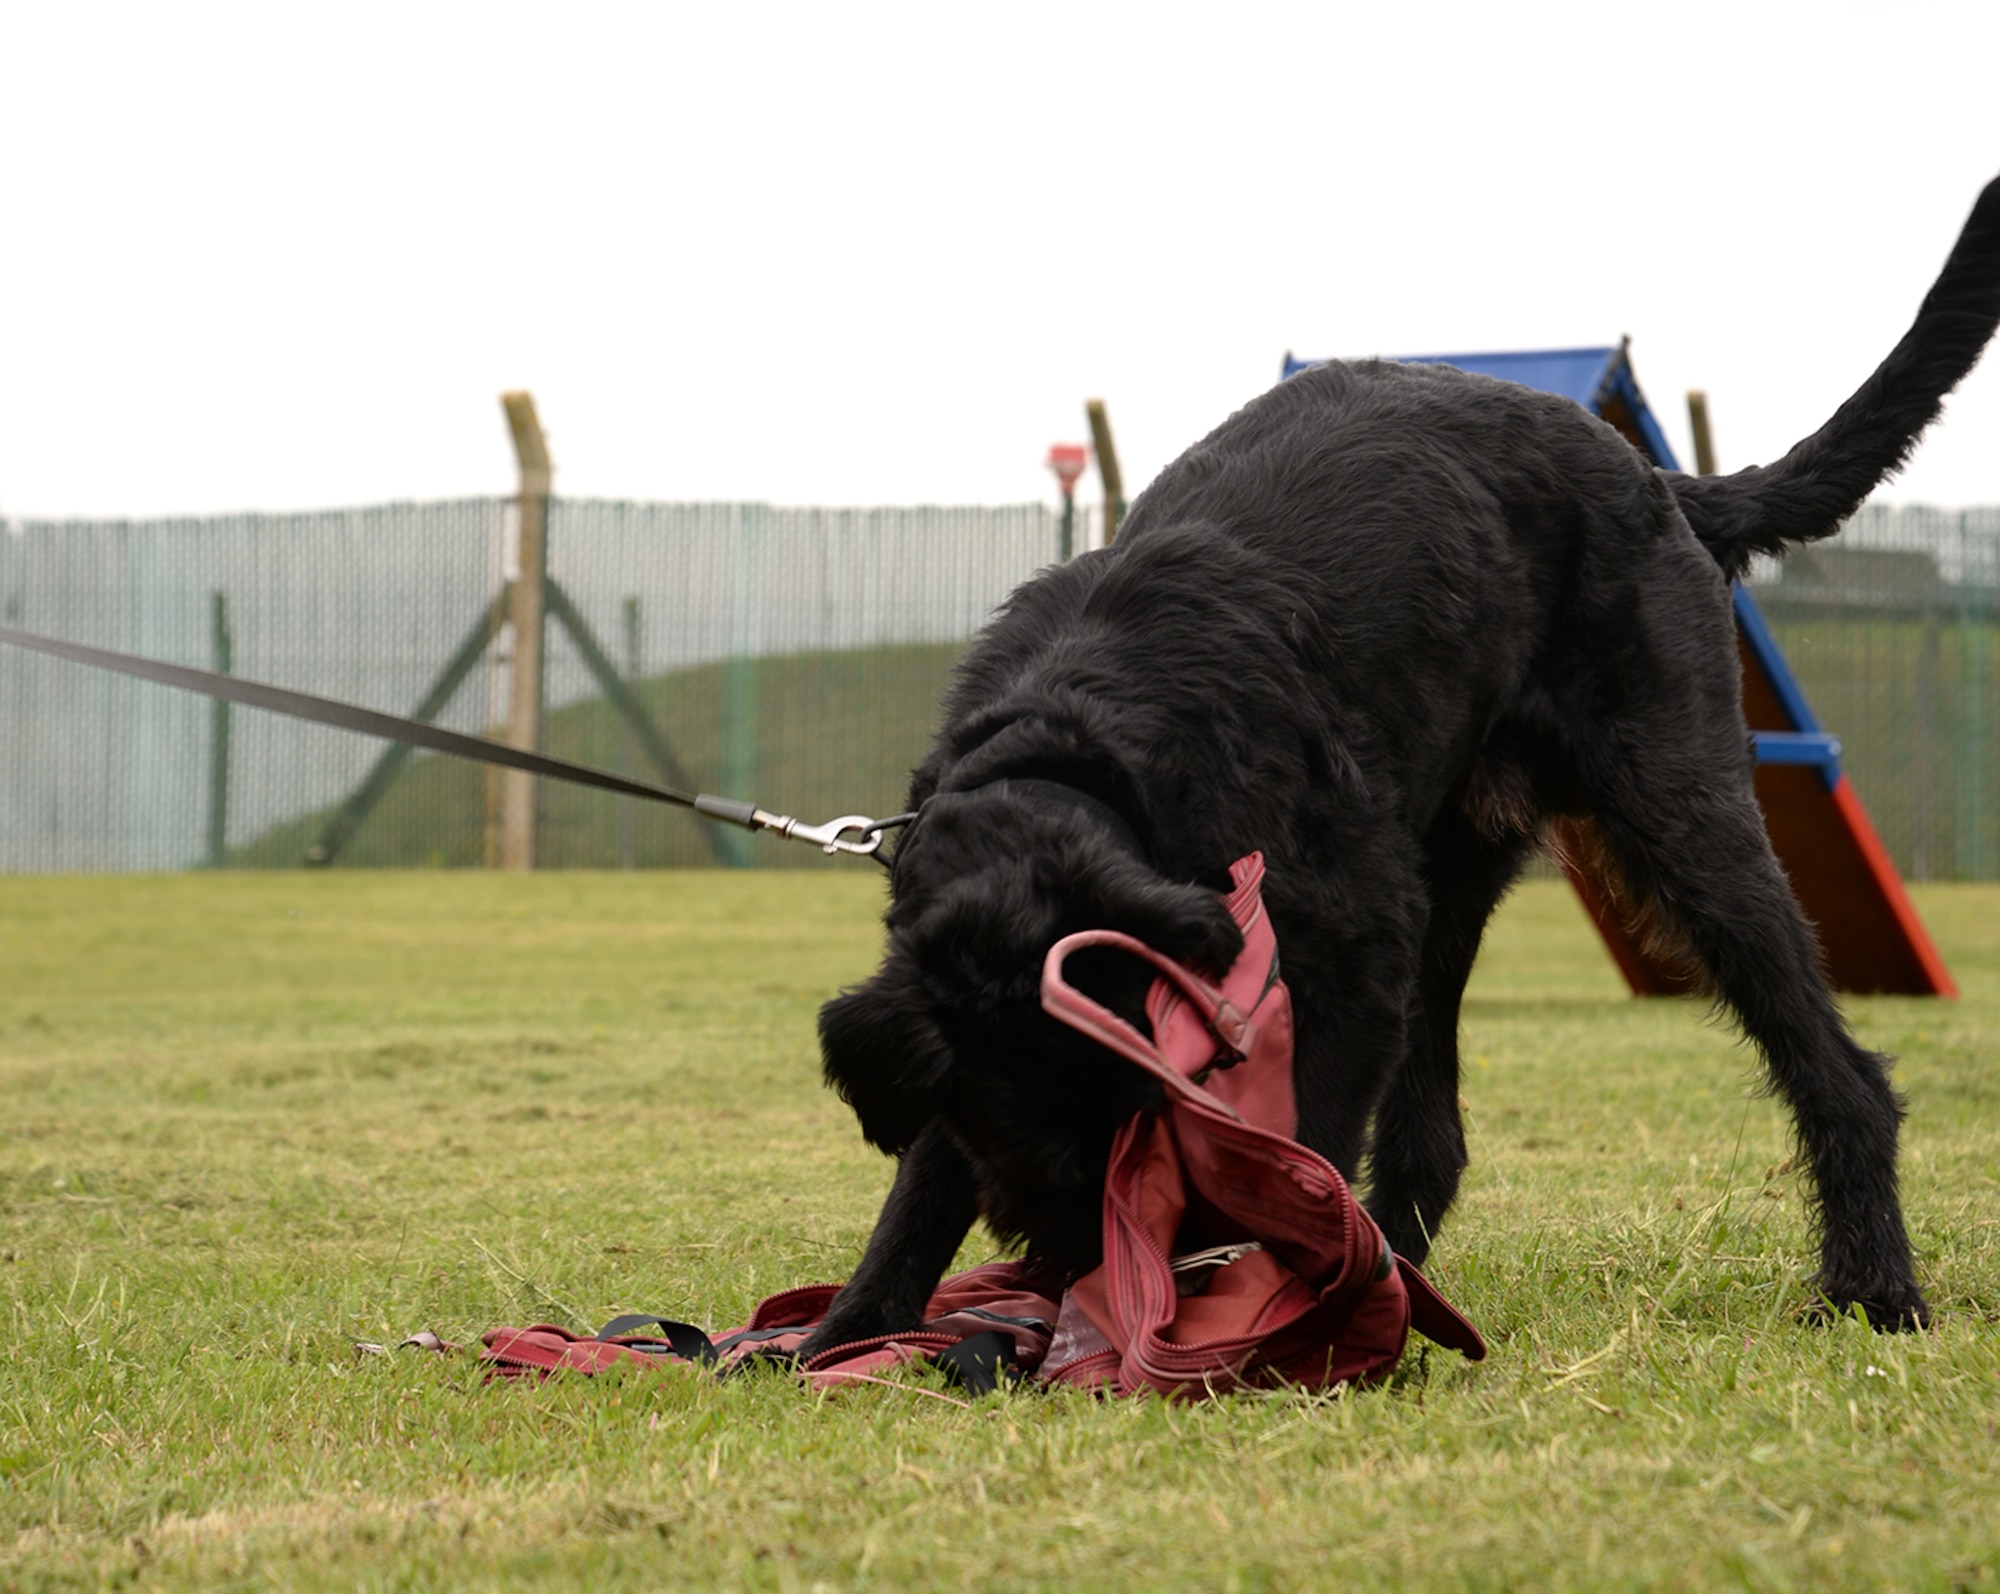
x: 823, y: 734
x: 813, y: 734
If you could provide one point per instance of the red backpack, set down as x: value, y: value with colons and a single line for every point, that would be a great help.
x: 1233, y: 1255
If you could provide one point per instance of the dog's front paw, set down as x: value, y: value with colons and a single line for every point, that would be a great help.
x: 1891, y: 1307
x: 838, y: 1327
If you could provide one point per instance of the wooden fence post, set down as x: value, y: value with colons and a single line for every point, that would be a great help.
x: 524, y: 712
x: 223, y: 646
x: 629, y: 763
x: 1107, y: 468
x: 1704, y: 442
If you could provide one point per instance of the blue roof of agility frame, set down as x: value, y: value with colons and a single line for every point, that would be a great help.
x: 1600, y: 380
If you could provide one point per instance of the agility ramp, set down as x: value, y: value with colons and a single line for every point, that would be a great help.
x: 1869, y: 933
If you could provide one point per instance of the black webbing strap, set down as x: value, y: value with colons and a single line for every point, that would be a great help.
x: 684, y: 1340
x: 976, y: 1364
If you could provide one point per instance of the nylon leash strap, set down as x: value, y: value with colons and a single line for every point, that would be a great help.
x: 851, y: 833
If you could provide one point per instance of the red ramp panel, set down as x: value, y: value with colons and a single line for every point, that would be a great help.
x: 1846, y: 884
x: 1870, y: 935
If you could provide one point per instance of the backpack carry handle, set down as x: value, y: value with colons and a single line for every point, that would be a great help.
x: 1231, y: 1026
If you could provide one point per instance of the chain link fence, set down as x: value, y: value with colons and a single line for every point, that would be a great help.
x: 1893, y: 629
x: 789, y: 656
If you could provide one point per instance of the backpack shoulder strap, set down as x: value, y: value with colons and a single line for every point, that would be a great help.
x: 1432, y: 1316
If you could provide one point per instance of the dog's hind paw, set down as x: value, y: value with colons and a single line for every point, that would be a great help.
x: 1889, y: 1308
x: 1404, y: 1230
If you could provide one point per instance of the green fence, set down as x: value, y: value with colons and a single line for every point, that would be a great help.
x: 789, y: 656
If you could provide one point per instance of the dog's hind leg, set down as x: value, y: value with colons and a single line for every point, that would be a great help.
x: 1351, y: 971
x: 1417, y: 1152
x: 1684, y: 825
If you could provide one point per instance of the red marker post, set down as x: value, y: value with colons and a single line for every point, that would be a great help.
x: 1068, y: 460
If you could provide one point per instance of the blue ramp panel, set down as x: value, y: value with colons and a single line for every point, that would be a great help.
x: 1843, y: 878
x: 1579, y: 374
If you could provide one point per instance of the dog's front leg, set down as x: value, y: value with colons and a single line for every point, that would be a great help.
x: 930, y: 1208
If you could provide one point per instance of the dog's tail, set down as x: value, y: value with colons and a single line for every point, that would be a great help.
x: 1824, y: 479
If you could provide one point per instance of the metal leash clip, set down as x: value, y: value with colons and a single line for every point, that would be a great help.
x: 830, y: 837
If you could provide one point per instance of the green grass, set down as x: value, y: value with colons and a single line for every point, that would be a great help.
x: 251, y: 1119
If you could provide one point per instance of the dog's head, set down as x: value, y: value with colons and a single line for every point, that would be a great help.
x: 951, y: 1027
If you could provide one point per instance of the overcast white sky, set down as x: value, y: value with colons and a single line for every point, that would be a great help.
x: 274, y: 256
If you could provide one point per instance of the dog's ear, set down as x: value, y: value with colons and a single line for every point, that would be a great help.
x: 1187, y: 922
x: 882, y: 1051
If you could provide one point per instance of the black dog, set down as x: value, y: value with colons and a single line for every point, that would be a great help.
x: 1386, y: 623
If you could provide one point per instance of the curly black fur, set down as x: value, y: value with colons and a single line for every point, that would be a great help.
x: 1383, y: 624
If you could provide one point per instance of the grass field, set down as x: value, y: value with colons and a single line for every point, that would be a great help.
x: 251, y: 1119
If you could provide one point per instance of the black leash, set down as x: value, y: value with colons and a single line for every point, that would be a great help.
x: 834, y: 836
